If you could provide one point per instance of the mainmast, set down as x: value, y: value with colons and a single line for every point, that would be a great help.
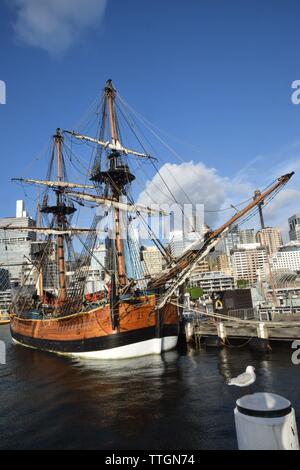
x: 110, y: 94
x: 116, y: 184
x: 60, y: 222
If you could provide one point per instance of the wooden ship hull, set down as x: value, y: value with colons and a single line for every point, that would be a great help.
x: 141, y: 330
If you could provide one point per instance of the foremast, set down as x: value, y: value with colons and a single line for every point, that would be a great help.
x: 60, y: 211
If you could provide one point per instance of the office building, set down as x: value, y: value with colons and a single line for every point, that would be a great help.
x: 223, y: 264
x: 180, y: 241
x: 212, y: 281
x: 247, y: 236
x: 287, y: 257
x: 96, y: 275
x: 246, y: 260
x: 270, y: 238
x: 294, y: 227
x: 152, y: 258
x: 231, y: 240
x: 15, y: 246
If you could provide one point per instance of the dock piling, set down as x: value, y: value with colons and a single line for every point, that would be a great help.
x: 221, y: 329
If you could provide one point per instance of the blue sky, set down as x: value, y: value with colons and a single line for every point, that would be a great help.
x: 216, y: 75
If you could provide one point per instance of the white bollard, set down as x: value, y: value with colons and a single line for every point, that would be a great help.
x: 265, y: 421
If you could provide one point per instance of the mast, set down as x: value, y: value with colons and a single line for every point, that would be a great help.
x: 60, y: 222
x: 116, y: 190
x: 40, y: 274
x: 110, y: 94
x: 257, y: 193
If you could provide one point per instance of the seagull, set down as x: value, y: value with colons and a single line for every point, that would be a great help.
x: 245, y: 379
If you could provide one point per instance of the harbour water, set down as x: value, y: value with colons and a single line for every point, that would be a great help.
x: 177, y: 401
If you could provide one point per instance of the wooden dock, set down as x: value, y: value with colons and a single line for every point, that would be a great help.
x: 234, y: 330
x: 217, y: 330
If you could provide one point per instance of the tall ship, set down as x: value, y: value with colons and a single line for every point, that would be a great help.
x: 136, y: 313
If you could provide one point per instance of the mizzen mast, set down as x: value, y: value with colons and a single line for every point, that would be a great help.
x: 40, y: 283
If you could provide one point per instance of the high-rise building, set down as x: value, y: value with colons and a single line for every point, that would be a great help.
x: 201, y: 267
x: 20, y: 210
x: 247, y: 235
x: 15, y: 246
x: 246, y: 260
x: 231, y: 240
x: 213, y: 262
x: 238, y: 237
x: 294, y: 227
x: 181, y: 241
x: 152, y: 258
x: 287, y: 257
x: 96, y: 276
x: 223, y: 264
x: 271, y: 238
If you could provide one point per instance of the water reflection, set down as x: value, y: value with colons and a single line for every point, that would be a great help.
x: 179, y: 400
x: 225, y: 364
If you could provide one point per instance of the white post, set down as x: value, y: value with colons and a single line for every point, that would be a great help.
x: 265, y: 421
x: 221, y: 331
x: 189, y: 331
x: 262, y: 331
x: 187, y: 300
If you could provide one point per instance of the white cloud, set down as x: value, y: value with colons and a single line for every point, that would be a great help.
x: 55, y: 25
x: 203, y: 185
x: 188, y: 182
x: 286, y: 199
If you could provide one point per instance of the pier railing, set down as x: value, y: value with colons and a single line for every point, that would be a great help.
x: 282, y: 312
x: 242, y: 313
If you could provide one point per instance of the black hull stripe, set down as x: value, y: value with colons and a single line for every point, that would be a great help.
x: 265, y: 414
x: 99, y: 343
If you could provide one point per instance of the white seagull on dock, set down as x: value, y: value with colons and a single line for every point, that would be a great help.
x: 245, y: 379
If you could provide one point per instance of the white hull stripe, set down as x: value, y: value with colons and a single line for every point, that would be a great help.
x: 142, y: 348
